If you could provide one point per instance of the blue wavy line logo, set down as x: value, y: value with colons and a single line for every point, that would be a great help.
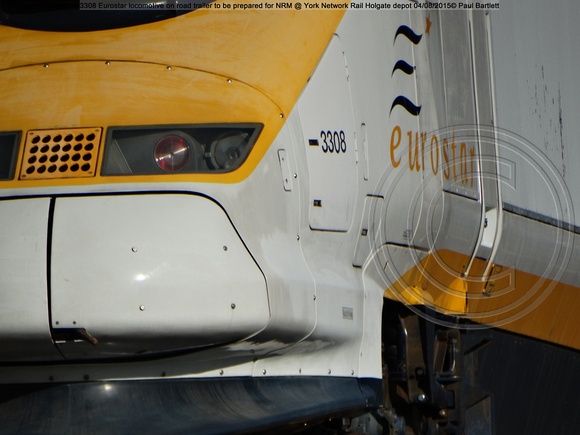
x: 409, y: 34
x: 401, y: 65
x: 406, y: 68
x: 407, y: 105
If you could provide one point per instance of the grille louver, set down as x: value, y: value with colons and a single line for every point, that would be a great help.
x: 67, y: 153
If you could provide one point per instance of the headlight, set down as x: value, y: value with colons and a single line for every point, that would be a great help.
x: 183, y: 149
x: 171, y: 153
x: 227, y: 149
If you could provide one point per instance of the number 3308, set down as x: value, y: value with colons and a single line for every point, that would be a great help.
x: 333, y: 141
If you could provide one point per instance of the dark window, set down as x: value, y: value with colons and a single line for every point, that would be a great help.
x: 85, y: 16
x: 8, y: 152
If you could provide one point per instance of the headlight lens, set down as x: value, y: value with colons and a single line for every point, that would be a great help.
x: 184, y: 149
x: 227, y: 149
x: 171, y: 153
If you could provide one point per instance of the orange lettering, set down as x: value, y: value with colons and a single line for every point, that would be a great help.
x: 463, y: 163
x: 453, y: 149
x: 414, y: 164
x: 394, y: 146
x: 472, y: 152
x: 445, y: 148
x: 435, y: 166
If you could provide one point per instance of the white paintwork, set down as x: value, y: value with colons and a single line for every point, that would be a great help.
x: 24, y: 294
x: 536, y: 66
x: 325, y: 106
x: 148, y: 273
x: 364, y: 246
x: 490, y: 228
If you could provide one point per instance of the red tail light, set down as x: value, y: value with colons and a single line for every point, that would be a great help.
x: 171, y: 153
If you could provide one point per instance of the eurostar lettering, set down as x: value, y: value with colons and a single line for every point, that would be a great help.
x: 442, y: 153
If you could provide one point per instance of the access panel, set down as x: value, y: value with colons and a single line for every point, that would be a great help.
x: 139, y: 274
x: 328, y: 133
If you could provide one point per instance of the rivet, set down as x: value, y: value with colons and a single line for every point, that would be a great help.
x: 298, y: 237
x: 329, y: 371
x: 352, y: 372
x: 300, y: 371
x: 142, y: 308
x: 134, y: 249
x: 46, y: 65
x: 86, y: 377
x: 163, y: 374
x: 295, y: 175
x: 57, y: 323
x: 221, y: 372
x: 314, y: 298
x: 229, y: 81
x: 281, y: 115
x: 421, y: 398
x: 74, y: 322
x: 107, y: 63
x: 225, y: 248
x: 233, y: 306
x: 168, y: 68
x: 442, y: 413
x: 264, y: 371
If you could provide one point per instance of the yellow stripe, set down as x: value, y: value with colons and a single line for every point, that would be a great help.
x: 434, y: 282
x: 510, y: 299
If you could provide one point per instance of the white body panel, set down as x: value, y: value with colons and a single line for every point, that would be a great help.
x: 159, y: 280
x: 326, y: 117
x: 536, y: 63
x: 24, y: 300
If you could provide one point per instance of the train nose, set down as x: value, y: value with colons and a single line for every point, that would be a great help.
x: 124, y: 275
